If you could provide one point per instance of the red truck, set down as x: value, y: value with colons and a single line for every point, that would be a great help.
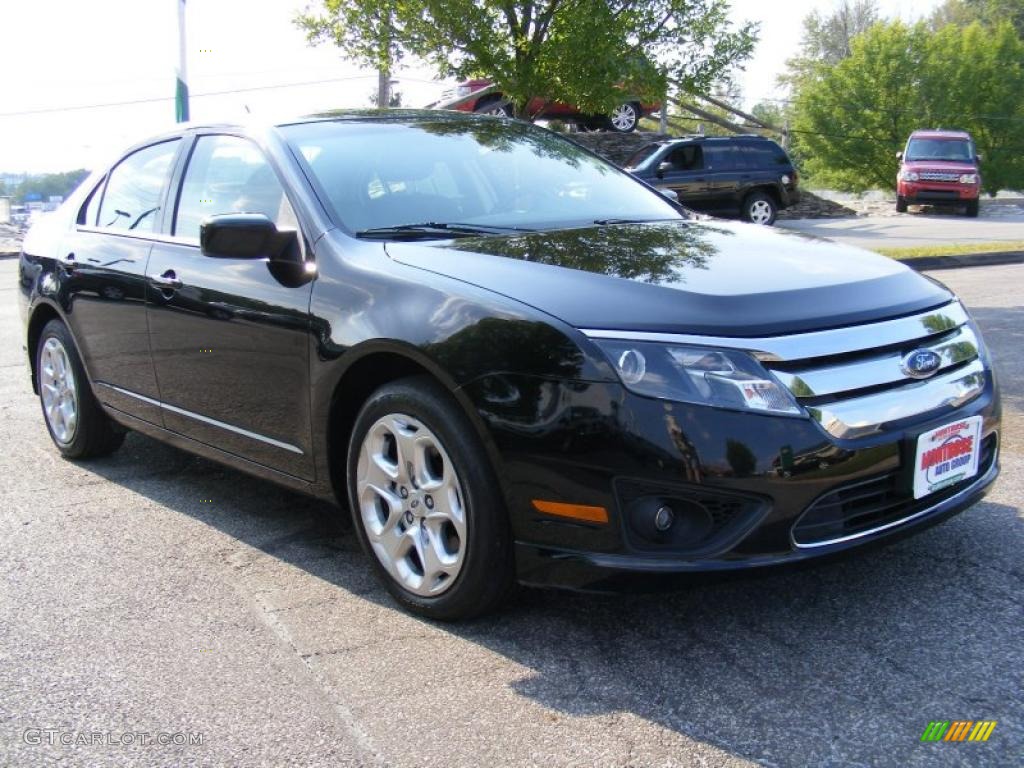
x: 623, y: 118
x: 939, y: 168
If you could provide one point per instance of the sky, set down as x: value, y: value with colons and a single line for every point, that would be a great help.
x: 63, y: 55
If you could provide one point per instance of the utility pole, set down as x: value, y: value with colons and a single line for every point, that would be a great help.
x: 181, y: 91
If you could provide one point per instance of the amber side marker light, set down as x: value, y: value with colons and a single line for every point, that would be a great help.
x: 575, y: 511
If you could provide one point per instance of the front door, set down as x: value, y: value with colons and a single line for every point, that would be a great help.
x: 230, y: 340
x: 682, y: 170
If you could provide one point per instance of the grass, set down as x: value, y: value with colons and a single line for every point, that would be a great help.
x: 957, y: 249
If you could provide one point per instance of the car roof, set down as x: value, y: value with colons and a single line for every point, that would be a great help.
x: 939, y: 134
x: 742, y: 136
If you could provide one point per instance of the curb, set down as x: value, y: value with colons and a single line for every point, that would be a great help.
x: 964, y: 260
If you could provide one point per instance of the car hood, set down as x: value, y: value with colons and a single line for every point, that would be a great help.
x: 717, y: 278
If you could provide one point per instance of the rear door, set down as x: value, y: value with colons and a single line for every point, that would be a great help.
x: 724, y: 175
x: 230, y: 340
x: 103, y: 270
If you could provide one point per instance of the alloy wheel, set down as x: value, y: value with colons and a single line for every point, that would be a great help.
x: 760, y: 212
x: 57, y: 389
x: 411, y: 504
x: 623, y: 117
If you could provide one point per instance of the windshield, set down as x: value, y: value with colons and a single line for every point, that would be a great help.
x: 956, y: 150
x: 489, y: 173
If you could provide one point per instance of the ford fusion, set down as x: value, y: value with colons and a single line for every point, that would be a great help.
x: 510, y: 360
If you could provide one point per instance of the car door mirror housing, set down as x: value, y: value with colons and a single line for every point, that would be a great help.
x: 899, y: 156
x: 671, y: 194
x: 245, y: 236
x: 664, y: 167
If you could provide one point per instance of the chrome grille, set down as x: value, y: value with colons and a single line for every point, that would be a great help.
x: 938, y: 176
x: 856, y: 392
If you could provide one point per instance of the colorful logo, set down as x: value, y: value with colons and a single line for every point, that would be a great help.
x: 958, y: 730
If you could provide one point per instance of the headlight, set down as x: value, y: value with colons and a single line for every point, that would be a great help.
x: 702, y: 375
x: 969, y: 178
x: 909, y: 176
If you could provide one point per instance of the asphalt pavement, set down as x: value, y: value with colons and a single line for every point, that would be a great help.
x: 912, y: 229
x: 152, y: 596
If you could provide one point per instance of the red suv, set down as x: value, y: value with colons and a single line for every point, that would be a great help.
x: 939, y: 168
x: 623, y: 118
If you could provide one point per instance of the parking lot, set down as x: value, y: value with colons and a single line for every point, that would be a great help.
x: 157, y: 593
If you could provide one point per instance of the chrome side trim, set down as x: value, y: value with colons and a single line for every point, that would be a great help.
x: 799, y: 346
x: 877, y: 370
x: 989, y: 475
x: 206, y: 419
x: 861, y: 416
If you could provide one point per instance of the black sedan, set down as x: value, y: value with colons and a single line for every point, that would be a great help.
x: 508, y: 359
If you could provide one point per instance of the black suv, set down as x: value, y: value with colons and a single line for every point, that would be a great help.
x: 747, y: 175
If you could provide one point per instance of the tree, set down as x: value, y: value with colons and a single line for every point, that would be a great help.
x: 368, y: 31
x: 852, y: 117
x: 579, y: 51
x: 988, y: 12
x: 827, y: 40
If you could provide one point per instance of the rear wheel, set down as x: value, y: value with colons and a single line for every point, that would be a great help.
x: 972, y: 208
x: 625, y: 117
x: 76, y: 422
x: 759, y: 208
x: 426, y: 504
x: 901, y: 204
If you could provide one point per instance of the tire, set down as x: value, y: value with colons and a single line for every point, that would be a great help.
x: 759, y: 208
x: 73, y: 417
x: 624, y: 118
x: 497, y: 107
x: 901, y: 204
x: 435, y: 529
x: 972, y: 209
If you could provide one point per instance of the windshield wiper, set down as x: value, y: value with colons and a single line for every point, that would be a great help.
x: 606, y: 222
x: 437, y: 229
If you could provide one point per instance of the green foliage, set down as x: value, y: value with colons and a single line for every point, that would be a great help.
x: 989, y: 12
x: 827, y: 40
x: 584, y: 52
x: 47, y: 185
x: 850, y: 119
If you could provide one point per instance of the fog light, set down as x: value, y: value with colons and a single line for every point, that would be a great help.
x: 664, y: 518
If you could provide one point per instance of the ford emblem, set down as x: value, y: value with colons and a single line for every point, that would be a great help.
x: 921, y: 363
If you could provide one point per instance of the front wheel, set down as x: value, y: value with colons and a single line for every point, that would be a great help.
x: 901, y: 204
x: 496, y: 107
x: 972, y: 208
x: 624, y: 118
x: 76, y: 422
x: 759, y: 208
x: 425, y: 502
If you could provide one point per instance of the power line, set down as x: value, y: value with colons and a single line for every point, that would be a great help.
x: 157, y: 99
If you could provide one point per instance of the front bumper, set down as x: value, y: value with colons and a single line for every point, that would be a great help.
x: 937, y: 192
x: 598, y: 444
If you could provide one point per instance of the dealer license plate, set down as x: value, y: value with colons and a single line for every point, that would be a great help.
x: 947, y: 455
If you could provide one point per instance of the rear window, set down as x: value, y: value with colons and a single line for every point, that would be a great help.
x: 763, y: 154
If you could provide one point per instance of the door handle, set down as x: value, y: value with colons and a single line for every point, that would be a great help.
x: 167, y: 280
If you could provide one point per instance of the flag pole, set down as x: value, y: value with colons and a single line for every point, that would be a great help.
x: 181, y: 91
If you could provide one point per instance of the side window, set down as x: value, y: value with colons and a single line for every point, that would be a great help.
x: 687, y: 158
x: 131, y: 200
x: 719, y: 157
x: 228, y: 174
x: 87, y: 215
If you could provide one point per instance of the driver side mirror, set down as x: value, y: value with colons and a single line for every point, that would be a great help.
x: 664, y: 167
x: 977, y: 158
x: 899, y: 156
x: 246, y: 236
